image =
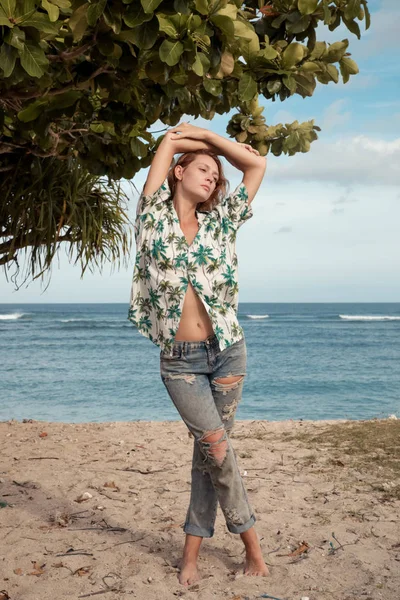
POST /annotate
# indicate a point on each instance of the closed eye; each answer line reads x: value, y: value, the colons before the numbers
x: 215, y: 180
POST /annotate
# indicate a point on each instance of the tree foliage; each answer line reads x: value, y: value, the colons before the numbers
x: 86, y: 81
x: 50, y: 201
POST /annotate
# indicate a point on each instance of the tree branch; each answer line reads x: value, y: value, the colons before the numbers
x: 71, y: 86
x: 65, y: 56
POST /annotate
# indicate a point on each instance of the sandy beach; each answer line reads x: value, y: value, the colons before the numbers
x: 96, y: 510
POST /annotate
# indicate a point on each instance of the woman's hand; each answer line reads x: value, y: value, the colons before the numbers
x: 188, y: 131
x: 199, y: 133
x: 250, y: 148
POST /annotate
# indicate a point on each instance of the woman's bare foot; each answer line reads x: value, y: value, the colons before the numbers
x: 188, y: 573
x: 255, y: 566
x: 254, y: 563
x: 188, y: 570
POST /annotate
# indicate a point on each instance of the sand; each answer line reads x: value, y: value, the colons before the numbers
x: 326, y: 495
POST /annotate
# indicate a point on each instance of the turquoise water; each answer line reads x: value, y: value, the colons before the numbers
x: 86, y: 362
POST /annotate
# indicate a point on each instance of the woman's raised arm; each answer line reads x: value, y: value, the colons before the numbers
x: 250, y: 163
x: 161, y: 163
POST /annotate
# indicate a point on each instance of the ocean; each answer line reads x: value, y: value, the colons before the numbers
x: 79, y: 363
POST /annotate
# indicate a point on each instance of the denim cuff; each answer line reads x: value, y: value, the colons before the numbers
x: 199, y: 531
x: 242, y: 528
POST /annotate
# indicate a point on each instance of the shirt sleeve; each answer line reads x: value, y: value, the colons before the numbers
x: 149, y: 207
x: 236, y: 206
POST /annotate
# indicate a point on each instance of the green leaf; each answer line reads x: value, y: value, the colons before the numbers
x: 367, y: 14
x: 65, y: 100
x: 113, y: 17
x: 202, y: 6
x: 145, y: 36
x: 52, y: 10
x: 230, y: 10
x: 138, y: 147
x: 167, y: 26
x: 39, y: 21
x: 274, y: 86
x: 353, y: 27
x: 170, y: 52
x: 352, y: 9
x: 333, y: 72
x: 197, y: 66
x: 31, y: 112
x: 97, y: 127
x: 15, y: 37
x: 318, y: 51
x: 290, y: 83
x: 25, y: 9
x: 293, y: 54
x: 78, y: 22
x: 305, y: 84
x: 5, y: 21
x: 347, y: 67
x: 33, y: 60
x: 8, y: 57
x: 135, y: 16
x: 213, y: 86
x: 298, y: 25
x: 247, y: 87
x: 95, y: 11
x: 62, y: 3
x: 225, y: 24
x: 307, y: 7
x: 335, y: 51
x: 8, y: 7
x: 149, y: 6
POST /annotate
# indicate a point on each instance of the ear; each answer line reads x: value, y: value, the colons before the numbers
x: 178, y: 172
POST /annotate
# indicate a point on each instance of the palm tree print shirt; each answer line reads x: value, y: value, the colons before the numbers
x: 165, y: 264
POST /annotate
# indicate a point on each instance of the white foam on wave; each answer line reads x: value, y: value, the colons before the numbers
x: 369, y: 318
x: 257, y: 316
x: 72, y: 320
x: 12, y: 316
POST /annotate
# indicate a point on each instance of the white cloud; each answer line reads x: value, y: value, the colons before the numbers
x: 348, y: 160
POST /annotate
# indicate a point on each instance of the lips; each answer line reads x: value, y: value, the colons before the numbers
x: 206, y: 187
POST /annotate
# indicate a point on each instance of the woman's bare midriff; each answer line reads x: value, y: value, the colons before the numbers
x: 195, y: 324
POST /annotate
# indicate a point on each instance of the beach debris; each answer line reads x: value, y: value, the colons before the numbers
x: 82, y: 571
x: 83, y: 497
x: 111, y: 484
x: 271, y: 597
x: 4, y: 595
x: 62, y: 519
x: 303, y: 548
x: 27, y: 484
x: 115, y: 587
x: 149, y: 579
x: 3, y: 505
x: 72, y: 552
x: 43, y: 434
x: 305, y: 598
x: 37, y: 569
x: 392, y: 417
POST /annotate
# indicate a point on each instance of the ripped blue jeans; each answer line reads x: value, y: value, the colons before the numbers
x: 208, y: 408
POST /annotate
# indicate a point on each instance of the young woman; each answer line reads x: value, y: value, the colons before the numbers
x: 184, y: 298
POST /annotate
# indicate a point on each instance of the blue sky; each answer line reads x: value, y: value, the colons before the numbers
x: 326, y: 223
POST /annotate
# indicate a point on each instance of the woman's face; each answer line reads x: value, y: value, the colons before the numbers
x: 199, y: 178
